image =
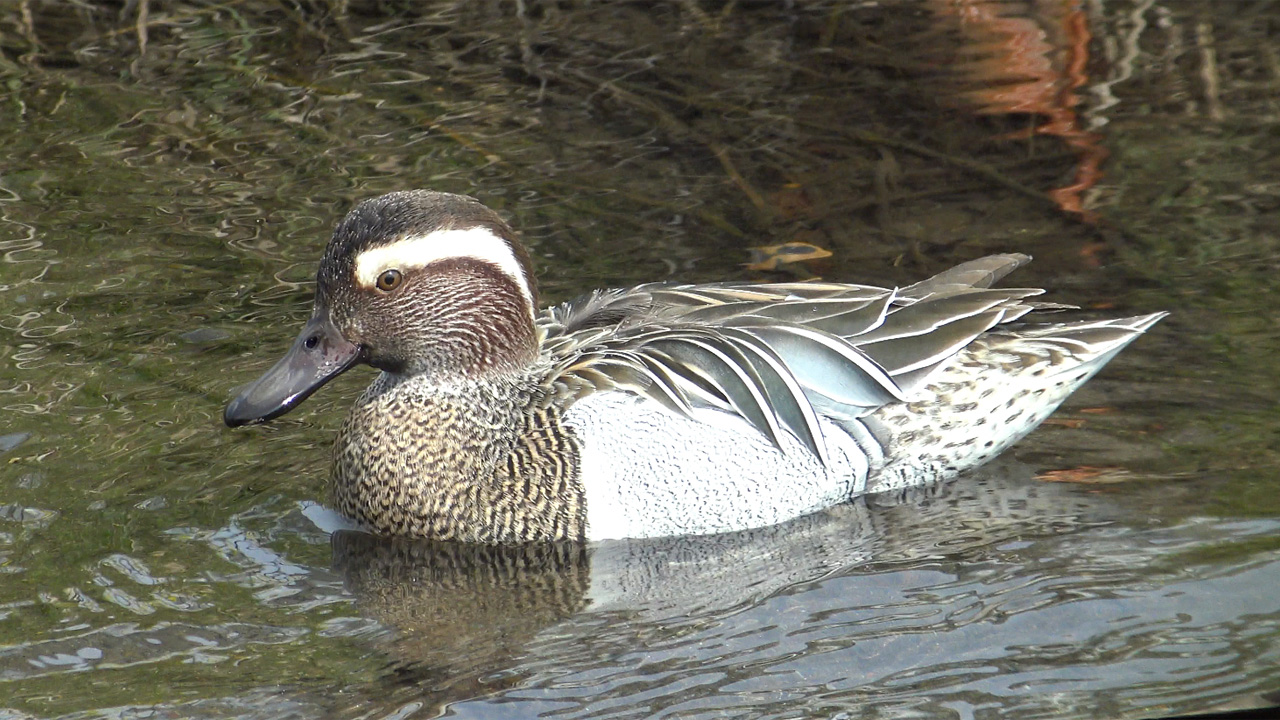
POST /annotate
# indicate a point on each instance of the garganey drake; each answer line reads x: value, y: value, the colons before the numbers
x: 655, y: 410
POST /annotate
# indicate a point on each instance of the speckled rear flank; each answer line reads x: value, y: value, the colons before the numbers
x: 963, y: 421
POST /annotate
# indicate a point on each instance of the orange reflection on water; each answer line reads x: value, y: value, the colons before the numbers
x: 1030, y: 57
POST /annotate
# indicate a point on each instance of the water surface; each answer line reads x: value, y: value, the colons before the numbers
x: 169, y: 175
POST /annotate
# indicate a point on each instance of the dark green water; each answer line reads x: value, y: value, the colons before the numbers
x: 169, y: 174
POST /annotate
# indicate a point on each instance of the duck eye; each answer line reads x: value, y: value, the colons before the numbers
x: 390, y: 280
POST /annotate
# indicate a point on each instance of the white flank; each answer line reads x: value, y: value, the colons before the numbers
x: 647, y: 472
x: 419, y: 251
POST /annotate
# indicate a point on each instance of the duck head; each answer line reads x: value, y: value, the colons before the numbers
x: 412, y: 283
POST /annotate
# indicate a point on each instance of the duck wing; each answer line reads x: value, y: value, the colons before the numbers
x: 777, y: 355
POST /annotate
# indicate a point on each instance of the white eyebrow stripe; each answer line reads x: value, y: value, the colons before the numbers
x: 418, y: 251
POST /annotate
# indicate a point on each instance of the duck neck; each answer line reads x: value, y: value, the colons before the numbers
x: 472, y: 461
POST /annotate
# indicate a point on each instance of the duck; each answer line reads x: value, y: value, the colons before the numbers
x: 657, y: 410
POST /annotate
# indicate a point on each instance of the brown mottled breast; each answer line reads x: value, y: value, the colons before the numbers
x: 485, y: 462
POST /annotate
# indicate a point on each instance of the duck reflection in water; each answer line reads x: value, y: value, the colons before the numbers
x: 459, y: 612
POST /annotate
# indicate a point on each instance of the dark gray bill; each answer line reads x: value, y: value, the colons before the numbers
x: 319, y: 355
